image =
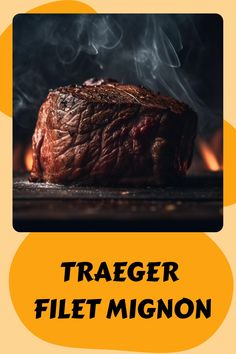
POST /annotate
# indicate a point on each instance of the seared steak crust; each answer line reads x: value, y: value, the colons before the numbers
x: 105, y: 132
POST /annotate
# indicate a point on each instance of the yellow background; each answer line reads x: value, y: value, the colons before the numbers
x: 15, y: 338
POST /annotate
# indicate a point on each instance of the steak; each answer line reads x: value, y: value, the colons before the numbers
x: 104, y: 132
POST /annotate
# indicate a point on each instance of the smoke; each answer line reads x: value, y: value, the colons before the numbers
x: 178, y: 55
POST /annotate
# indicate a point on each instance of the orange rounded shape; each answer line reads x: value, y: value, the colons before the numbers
x: 203, y: 273
x: 63, y: 7
x: 229, y: 164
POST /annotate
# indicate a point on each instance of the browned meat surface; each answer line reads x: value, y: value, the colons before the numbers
x: 105, y: 132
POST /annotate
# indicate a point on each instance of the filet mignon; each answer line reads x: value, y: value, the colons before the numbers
x: 105, y: 132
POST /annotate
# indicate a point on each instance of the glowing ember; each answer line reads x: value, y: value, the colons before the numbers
x: 209, y: 156
x: 28, y: 158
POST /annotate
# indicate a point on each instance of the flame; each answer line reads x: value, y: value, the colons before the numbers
x: 209, y: 157
x: 28, y: 159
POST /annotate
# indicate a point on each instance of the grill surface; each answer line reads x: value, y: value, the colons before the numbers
x: 195, y: 205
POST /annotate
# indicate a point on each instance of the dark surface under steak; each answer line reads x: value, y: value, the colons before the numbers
x: 105, y: 132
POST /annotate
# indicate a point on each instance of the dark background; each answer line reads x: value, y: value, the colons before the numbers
x: 179, y: 55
